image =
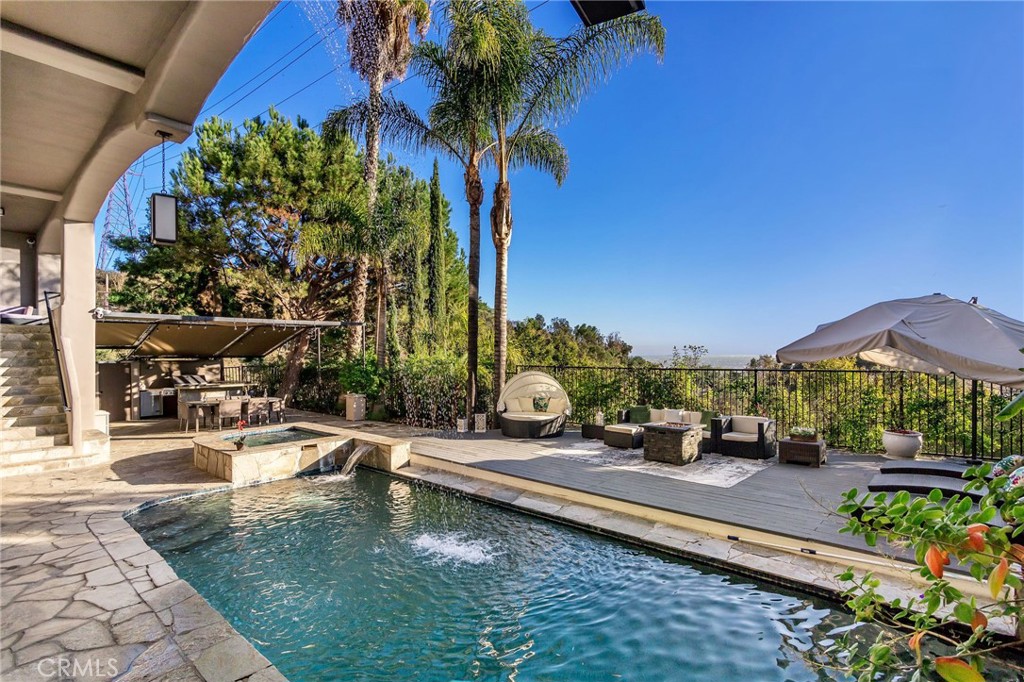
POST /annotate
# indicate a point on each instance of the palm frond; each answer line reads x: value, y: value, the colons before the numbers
x: 333, y: 226
x: 566, y: 72
x: 540, y: 148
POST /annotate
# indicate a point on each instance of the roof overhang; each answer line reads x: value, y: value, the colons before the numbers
x: 196, y: 337
x: 88, y: 85
x: 599, y: 11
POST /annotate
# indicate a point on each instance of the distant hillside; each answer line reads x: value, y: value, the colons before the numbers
x: 718, y: 361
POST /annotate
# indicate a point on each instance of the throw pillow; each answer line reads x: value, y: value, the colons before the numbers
x: 639, y: 414
x: 512, y: 405
x: 540, y: 403
x: 674, y: 416
x: 658, y: 415
x: 558, y: 405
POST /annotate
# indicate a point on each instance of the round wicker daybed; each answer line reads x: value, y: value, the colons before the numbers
x: 533, y: 405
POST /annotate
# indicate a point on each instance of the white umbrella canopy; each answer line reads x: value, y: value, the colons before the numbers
x: 934, y: 334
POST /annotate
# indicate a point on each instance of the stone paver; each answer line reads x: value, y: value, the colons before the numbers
x: 79, y: 586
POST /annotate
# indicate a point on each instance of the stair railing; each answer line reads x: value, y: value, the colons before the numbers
x: 55, y: 339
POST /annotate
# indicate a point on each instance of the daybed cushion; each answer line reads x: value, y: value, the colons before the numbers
x: 558, y: 405
x: 529, y: 416
x: 740, y: 437
x: 747, y: 424
x: 624, y: 428
x: 657, y: 415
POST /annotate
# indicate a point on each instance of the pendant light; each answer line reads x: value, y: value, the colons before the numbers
x: 163, y: 207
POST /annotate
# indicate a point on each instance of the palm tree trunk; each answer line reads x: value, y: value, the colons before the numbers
x: 357, y: 312
x: 501, y: 234
x: 370, y: 175
x: 475, y: 197
x: 382, y: 314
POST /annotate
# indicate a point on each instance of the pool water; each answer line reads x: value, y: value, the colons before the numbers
x: 285, y: 435
x: 371, y: 578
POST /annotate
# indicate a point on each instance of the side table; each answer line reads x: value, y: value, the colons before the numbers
x: 802, y: 452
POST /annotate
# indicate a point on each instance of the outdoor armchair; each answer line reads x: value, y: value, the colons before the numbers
x: 744, y: 436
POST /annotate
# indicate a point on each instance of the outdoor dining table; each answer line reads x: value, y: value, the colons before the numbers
x: 214, y: 407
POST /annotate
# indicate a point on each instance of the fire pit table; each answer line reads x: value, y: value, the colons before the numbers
x: 671, y: 442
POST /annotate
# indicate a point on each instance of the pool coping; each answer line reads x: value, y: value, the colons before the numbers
x: 82, y: 582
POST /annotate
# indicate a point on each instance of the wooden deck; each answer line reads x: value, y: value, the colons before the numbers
x: 784, y: 499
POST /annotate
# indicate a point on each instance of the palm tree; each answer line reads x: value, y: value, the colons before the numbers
x: 542, y: 80
x: 456, y: 126
x: 380, y: 47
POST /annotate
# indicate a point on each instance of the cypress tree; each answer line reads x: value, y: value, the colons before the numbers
x: 436, y: 267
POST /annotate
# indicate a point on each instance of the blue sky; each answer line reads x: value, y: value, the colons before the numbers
x: 786, y: 165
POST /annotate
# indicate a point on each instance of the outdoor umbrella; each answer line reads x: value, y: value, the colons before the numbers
x: 934, y: 334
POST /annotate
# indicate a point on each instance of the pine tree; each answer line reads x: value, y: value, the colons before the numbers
x: 436, y: 268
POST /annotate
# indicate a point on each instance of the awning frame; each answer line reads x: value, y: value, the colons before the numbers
x: 247, y: 326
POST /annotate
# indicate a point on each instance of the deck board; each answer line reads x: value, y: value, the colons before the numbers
x: 785, y: 499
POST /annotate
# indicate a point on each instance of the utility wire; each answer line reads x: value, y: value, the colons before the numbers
x: 146, y: 163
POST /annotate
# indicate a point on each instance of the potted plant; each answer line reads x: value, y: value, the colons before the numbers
x: 239, y: 440
x: 902, y: 443
x: 804, y: 434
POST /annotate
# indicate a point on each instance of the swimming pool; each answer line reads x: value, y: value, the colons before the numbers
x: 371, y: 578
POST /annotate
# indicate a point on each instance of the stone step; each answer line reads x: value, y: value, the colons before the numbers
x: 29, y: 389
x: 12, y: 331
x: 34, y: 420
x: 31, y: 411
x: 19, y: 445
x: 27, y: 370
x: 40, y: 360
x: 24, y: 400
x: 53, y: 462
x: 35, y: 341
x: 12, y: 381
x: 34, y: 431
x: 40, y: 454
x: 34, y: 350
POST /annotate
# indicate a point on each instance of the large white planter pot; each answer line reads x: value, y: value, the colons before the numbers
x: 902, y: 445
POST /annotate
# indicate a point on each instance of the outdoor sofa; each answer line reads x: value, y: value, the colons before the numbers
x: 744, y: 436
x: 533, y: 405
x: 628, y: 433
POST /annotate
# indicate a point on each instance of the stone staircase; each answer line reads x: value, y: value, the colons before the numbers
x: 35, y: 435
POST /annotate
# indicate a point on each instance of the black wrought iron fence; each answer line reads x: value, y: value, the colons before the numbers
x: 851, y: 408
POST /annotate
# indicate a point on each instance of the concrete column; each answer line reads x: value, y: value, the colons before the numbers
x: 78, y: 328
x: 48, y: 268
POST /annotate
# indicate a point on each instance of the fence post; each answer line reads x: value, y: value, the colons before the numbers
x: 902, y: 415
x: 974, y: 418
x: 756, y: 401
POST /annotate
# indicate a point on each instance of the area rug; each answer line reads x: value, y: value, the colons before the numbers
x: 712, y: 469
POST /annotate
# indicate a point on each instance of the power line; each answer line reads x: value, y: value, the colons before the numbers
x: 146, y: 162
x: 257, y: 74
x: 274, y: 75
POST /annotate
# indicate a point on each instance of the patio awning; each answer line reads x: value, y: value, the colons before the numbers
x: 934, y: 334
x: 180, y: 336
